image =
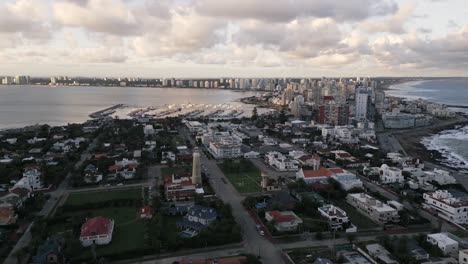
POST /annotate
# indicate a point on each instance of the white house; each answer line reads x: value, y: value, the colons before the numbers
x: 390, y: 174
x: 373, y: 208
x: 31, y: 179
x: 285, y: 221
x: 442, y: 177
x: 444, y: 243
x: 336, y: 216
x: 97, y: 230
x: 446, y: 206
x: 280, y: 162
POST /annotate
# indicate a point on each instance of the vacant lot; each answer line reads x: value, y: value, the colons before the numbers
x: 243, y: 175
x: 103, y: 196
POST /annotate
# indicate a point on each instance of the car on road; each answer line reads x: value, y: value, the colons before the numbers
x: 120, y: 184
x: 261, y: 232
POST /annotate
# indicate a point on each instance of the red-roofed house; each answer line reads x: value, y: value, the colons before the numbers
x: 285, y: 221
x: 145, y: 212
x: 314, y: 175
x: 97, y: 230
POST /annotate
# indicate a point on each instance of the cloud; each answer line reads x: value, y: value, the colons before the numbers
x: 452, y: 24
x: 106, y: 16
x: 24, y: 18
x: 448, y: 52
x: 186, y: 32
x: 394, y: 24
x: 287, y: 10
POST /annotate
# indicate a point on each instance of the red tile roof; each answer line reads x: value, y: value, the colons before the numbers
x: 146, y: 210
x: 115, y: 168
x: 96, y: 226
x: 280, y: 218
x: 336, y: 170
x: 343, y: 155
x: 321, y: 172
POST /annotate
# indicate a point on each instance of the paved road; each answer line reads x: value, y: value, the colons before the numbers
x: 254, y: 243
x: 49, y: 206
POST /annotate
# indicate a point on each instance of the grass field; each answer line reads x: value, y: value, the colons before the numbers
x: 102, y: 196
x: 245, y: 178
x: 358, y: 219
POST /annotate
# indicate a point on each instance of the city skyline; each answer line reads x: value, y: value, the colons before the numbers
x: 206, y: 39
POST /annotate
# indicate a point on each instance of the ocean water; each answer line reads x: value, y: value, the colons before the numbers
x: 28, y: 105
x: 452, y: 144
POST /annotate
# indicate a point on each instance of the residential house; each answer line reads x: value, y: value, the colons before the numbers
x: 251, y: 155
x: 447, y: 245
x: 145, y: 212
x: 32, y: 179
x: 373, y: 208
x: 284, y: 221
x: 198, y: 218
x: 280, y: 162
x: 51, y: 251
x: 337, y: 217
x: 390, y: 174
x: 378, y: 252
x: 96, y: 230
x: 91, y: 174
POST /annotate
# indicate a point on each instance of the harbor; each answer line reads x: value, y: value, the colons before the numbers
x: 210, y: 111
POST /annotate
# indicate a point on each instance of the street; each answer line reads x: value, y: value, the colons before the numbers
x: 254, y: 243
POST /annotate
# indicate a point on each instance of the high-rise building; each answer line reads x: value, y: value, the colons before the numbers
x: 333, y: 113
x: 196, y: 168
x: 362, y: 101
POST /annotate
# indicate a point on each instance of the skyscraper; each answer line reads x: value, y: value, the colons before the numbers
x: 196, y: 168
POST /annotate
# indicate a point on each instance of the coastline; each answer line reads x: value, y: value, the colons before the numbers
x: 412, y: 141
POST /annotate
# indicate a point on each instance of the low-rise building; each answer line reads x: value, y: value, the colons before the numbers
x: 284, y: 221
x: 7, y: 216
x: 447, y: 245
x: 197, y: 218
x: 390, y: 174
x: 97, y: 230
x: 32, y: 179
x: 446, y: 206
x: 336, y: 216
x: 373, y: 208
x: 378, y: 252
x: 179, y: 187
x: 280, y: 162
x: 226, y: 147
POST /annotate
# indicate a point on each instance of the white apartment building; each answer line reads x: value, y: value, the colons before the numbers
x: 225, y: 147
x: 373, y: 208
x: 444, y: 243
x: 280, y: 162
x: 390, y: 174
x: 446, y: 206
x: 362, y: 98
x: 335, y: 215
x: 442, y: 177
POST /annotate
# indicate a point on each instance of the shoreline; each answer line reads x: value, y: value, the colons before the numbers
x: 411, y: 142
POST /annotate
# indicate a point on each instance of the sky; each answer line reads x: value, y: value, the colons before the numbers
x: 233, y: 38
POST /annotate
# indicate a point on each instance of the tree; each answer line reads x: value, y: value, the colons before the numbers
x: 351, y: 237
x: 254, y: 114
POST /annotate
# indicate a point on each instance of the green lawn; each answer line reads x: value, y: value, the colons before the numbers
x: 102, y: 196
x: 245, y: 177
x: 358, y: 219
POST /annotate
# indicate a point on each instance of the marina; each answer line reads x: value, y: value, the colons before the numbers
x: 211, y: 111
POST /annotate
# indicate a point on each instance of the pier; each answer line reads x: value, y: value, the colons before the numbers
x: 106, y: 111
